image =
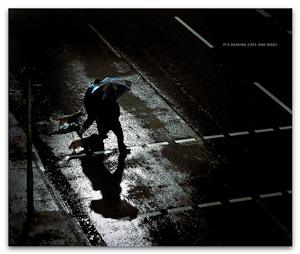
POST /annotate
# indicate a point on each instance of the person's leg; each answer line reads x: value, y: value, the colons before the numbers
x: 117, y: 130
x: 102, y: 129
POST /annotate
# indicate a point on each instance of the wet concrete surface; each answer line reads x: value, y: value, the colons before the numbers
x: 171, y: 172
x: 154, y: 178
x: 51, y: 223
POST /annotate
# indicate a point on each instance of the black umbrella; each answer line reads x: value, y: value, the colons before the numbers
x: 113, y: 88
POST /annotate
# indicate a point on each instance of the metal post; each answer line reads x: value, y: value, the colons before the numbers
x: 29, y: 153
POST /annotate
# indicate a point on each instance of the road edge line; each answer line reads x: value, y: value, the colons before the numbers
x: 105, y: 41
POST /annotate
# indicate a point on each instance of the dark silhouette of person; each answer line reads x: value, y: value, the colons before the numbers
x: 106, y: 112
x: 111, y: 206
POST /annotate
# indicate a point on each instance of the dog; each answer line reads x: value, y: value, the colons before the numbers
x: 89, y: 144
x: 78, y: 143
x: 66, y: 119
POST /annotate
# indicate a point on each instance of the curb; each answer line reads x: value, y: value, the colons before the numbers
x: 82, y: 238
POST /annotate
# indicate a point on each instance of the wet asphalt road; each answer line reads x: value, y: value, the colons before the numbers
x: 183, y: 193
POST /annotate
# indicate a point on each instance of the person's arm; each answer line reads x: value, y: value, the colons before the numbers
x: 88, y: 122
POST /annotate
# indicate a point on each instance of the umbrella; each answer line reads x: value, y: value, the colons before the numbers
x: 113, y: 88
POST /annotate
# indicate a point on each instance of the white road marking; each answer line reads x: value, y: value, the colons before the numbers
x: 273, y: 97
x: 246, y: 132
x: 194, y: 32
x: 103, y: 152
x: 124, y: 218
x: 239, y: 133
x: 179, y: 209
x: 285, y: 128
x: 158, y: 144
x: 134, y: 147
x: 214, y: 136
x: 150, y: 214
x: 278, y: 23
x: 273, y: 217
x: 180, y: 119
x: 235, y: 200
x: 264, y: 13
x: 75, y: 155
x: 210, y: 204
x: 105, y: 41
x: 263, y: 130
x: 79, y: 155
x: 271, y: 195
x: 185, y: 140
x: 267, y: 15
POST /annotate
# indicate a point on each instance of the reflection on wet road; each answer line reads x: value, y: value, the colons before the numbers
x: 151, y: 179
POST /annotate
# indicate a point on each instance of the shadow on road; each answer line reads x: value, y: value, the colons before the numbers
x: 111, y: 206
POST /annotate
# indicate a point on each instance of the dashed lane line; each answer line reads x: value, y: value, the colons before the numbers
x: 103, y: 152
x: 210, y: 204
x: 179, y: 141
x: 264, y: 13
x: 271, y: 195
x: 193, y: 31
x: 185, y: 140
x: 267, y: 15
x: 214, y: 136
x: 158, y: 144
x: 156, y: 213
x: 264, y: 130
x: 239, y: 199
x: 246, y: 132
x: 239, y: 133
x: 217, y: 203
x: 80, y: 155
x: 273, y: 97
x: 179, y: 209
x: 285, y: 128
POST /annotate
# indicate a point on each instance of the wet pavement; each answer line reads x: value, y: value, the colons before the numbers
x: 52, y: 223
x: 171, y: 190
x: 174, y: 188
x: 164, y: 154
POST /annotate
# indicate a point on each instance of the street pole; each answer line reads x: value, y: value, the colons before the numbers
x: 29, y: 152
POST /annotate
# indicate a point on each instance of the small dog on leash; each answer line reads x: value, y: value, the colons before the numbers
x: 66, y: 119
x: 89, y: 144
x: 78, y: 143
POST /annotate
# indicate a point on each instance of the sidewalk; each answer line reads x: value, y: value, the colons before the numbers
x: 52, y: 224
